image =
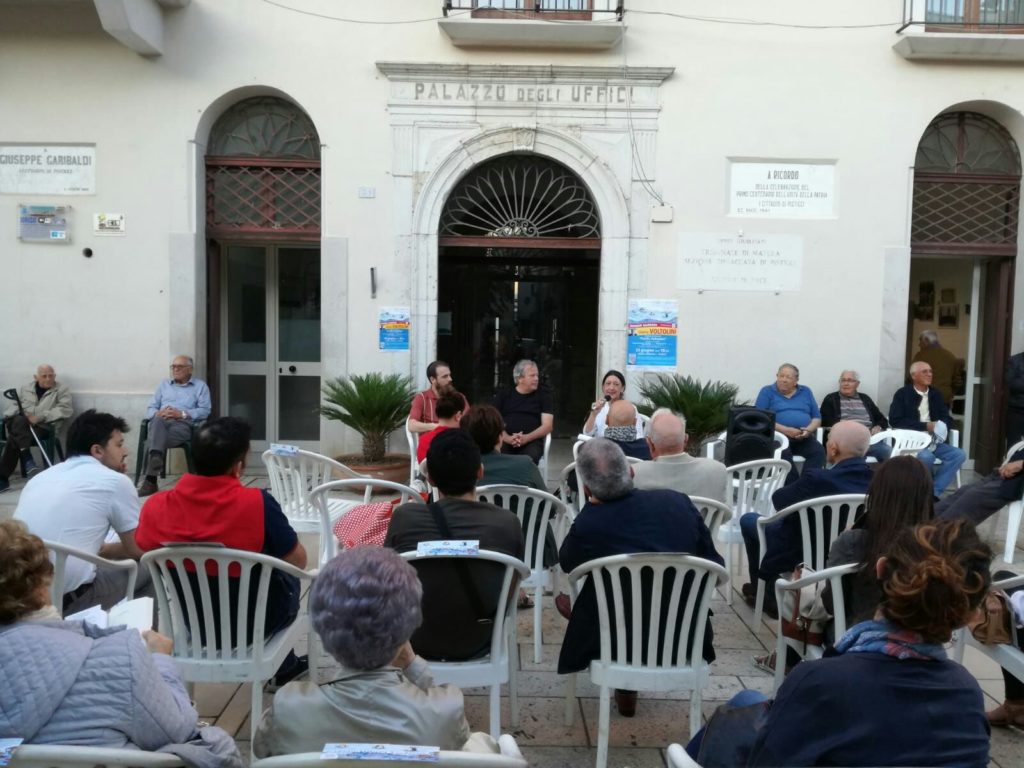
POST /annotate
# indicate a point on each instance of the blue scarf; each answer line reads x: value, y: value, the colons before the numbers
x: 885, y: 637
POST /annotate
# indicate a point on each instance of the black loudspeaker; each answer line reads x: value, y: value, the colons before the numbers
x: 750, y: 435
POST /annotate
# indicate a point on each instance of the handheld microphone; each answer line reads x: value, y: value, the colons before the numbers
x: 607, y: 398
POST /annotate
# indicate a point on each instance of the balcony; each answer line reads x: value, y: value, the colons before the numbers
x: 962, y: 30
x: 578, y: 24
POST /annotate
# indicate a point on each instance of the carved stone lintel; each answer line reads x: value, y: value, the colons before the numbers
x: 523, y: 139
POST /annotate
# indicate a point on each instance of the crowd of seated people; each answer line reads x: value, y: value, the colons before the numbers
x: 383, y: 620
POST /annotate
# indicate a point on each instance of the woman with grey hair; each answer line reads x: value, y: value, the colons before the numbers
x: 365, y: 605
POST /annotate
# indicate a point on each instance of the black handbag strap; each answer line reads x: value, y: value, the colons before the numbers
x: 461, y: 567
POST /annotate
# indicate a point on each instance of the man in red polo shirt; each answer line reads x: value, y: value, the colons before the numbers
x: 213, y: 506
x: 423, y: 416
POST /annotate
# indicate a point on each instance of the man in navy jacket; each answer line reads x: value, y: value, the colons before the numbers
x: 847, y: 444
x: 920, y: 407
x: 618, y: 520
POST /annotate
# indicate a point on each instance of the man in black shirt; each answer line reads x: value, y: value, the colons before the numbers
x: 528, y: 412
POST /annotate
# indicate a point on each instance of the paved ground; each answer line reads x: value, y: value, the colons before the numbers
x: 661, y: 718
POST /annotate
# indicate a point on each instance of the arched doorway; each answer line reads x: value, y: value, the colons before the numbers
x: 519, y: 252
x: 263, y: 208
x: 967, y: 175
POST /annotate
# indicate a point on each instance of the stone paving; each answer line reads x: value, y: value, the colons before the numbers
x: 662, y: 718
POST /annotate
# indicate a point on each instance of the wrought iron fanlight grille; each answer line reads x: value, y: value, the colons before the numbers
x: 520, y: 197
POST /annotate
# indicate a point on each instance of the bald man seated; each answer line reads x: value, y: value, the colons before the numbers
x: 849, y: 473
x: 620, y: 428
x: 672, y: 467
x: 45, y: 403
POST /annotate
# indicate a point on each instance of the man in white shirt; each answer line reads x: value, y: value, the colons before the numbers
x: 80, y: 501
x: 672, y: 467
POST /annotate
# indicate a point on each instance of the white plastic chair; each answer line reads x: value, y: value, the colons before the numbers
x: 64, y: 756
x: 750, y: 486
x: 903, y: 441
x: 1014, y: 512
x: 227, y: 659
x: 543, y: 464
x: 713, y: 511
x: 510, y: 757
x: 676, y: 756
x: 575, y: 491
x: 501, y: 664
x: 321, y: 501
x: 834, y: 577
x: 1009, y: 656
x: 840, y: 510
x: 668, y: 660
x: 645, y: 425
x: 292, y: 479
x: 413, y: 441
x: 61, y: 554
x: 544, y: 510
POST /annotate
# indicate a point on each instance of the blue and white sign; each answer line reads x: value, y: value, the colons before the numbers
x: 653, y: 335
x: 393, y: 329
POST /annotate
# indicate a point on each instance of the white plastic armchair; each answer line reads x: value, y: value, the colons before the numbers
x: 537, y: 512
x: 1014, y: 512
x: 61, y: 554
x: 501, y: 664
x: 821, y: 522
x: 664, y: 597
x: 903, y: 441
x: 749, y: 487
x: 320, y: 499
x: 509, y: 757
x: 1009, y: 656
x: 543, y: 464
x: 834, y: 577
x: 212, y: 640
x: 676, y: 756
x: 65, y: 756
x: 413, y: 441
x: 714, y: 512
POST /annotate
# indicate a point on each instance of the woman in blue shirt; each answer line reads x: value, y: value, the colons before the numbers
x: 796, y: 416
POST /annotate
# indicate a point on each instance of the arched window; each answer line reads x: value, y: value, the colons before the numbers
x: 263, y: 172
x: 966, y: 187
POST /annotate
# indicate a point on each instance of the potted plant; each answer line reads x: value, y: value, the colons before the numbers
x: 374, y: 405
x: 704, y: 404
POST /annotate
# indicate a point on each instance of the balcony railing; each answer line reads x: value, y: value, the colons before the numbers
x: 991, y: 16
x: 551, y: 10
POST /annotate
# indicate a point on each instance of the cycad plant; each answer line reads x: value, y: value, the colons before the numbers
x: 704, y: 404
x: 373, y: 404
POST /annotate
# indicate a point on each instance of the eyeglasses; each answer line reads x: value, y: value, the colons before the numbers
x: 179, y: 367
x: 849, y: 381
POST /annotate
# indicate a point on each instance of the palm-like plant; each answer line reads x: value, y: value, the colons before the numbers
x: 704, y: 404
x: 373, y: 404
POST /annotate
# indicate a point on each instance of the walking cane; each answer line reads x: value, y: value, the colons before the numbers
x: 12, y: 394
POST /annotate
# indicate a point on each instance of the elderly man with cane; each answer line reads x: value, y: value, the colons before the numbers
x: 34, y: 411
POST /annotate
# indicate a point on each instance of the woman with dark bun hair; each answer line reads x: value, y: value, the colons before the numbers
x: 613, y: 387
x: 888, y: 695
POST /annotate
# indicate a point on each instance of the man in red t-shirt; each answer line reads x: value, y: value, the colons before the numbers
x: 423, y: 416
x: 450, y: 407
x: 213, y: 506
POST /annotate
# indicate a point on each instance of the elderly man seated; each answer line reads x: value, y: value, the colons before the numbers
x: 796, y: 416
x: 672, y: 467
x: 920, y: 406
x: 46, y: 403
x: 364, y: 606
x: 849, y: 473
x: 979, y: 501
x: 620, y: 428
x: 619, y: 520
x: 847, y: 404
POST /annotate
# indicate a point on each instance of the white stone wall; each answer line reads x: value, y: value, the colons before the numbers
x: 110, y: 323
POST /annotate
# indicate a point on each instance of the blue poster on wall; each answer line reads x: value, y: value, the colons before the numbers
x: 653, y: 333
x: 393, y: 329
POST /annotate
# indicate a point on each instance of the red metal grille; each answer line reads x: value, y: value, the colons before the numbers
x: 247, y: 198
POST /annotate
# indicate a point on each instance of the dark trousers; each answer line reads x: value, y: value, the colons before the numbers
x: 1014, y: 687
x: 19, y: 438
x: 533, y: 449
x: 976, y: 501
x: 784, y: 551
x: 813, y: 454
x: 1014, y: 425
x: 164, y: 434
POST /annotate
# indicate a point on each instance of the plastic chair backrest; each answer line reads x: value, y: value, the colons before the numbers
x: 677, y: 757
x: 445, y: 758
x: 319, y: 501
x: 65, y: 756
x: 61, y: 553
x: 903, y: 441
x: 576, y: 491
x: 1013, y: 449
x: 654, y: 583
x: 535, y: 510
x: 753, y: 483
x: 412, y: 439
x: 821, y: 522
x: 193, y: 585
x: 645, y: 425
x: 293, y: 476
x: 714, y: 512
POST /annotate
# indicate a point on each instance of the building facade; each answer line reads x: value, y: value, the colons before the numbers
x: 263, y: 185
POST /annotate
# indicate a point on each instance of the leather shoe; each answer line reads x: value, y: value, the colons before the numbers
x: 1006, y: 714
x: 148, y: 488
x: 625, y: 701
x: 563, y: 604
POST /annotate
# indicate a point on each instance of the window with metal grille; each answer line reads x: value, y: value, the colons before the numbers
x: 263, y: 172
x: 966, y: 187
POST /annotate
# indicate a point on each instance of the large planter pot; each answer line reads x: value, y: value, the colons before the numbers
x: 395, y: 467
